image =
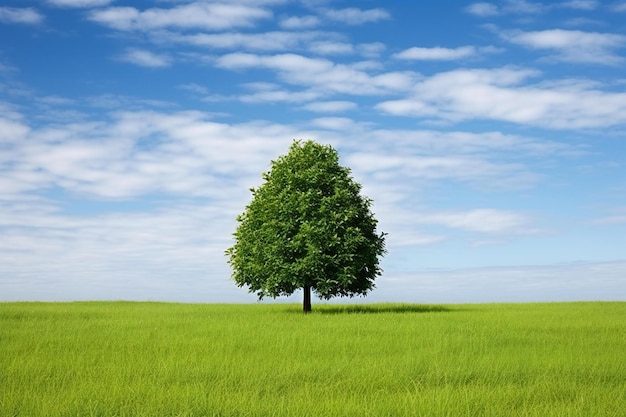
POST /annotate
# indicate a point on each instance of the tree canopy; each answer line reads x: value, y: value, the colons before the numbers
x: 307, y: 227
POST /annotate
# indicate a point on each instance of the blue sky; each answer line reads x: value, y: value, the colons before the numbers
x: 490, y: 136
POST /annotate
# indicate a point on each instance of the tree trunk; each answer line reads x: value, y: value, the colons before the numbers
x: 306, y: 302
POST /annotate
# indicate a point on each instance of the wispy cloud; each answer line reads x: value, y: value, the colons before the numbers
x: 479, y: 220
x: 572, y: 45
x: 273, y: 93
x: 209, y: 16
x: 29, y: 15
x: 265, y: 41
x: 12, y: 130
x: 330, y: 106
x: 331, y: 48
x: 114, y: 160
x: 503, y: 94
x: 321, y: 73
x: 194, y: 88
x: 581, y: 4
x: 354, y: 16
x: 300, y: 22
x: 80, y: 3
x: 372, y: 49
x: 145, y: 58
x: 436, y: 53
x: 485, y: 9
x: 523, y: 6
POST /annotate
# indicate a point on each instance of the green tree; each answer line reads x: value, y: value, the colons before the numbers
x: 307, y: 227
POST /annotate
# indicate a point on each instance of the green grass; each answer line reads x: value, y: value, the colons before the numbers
x: 157, y: 359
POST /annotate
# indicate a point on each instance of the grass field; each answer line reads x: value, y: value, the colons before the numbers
x: 159, y: 359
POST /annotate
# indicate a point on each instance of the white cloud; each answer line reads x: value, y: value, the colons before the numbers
x: 621, y: 7
x: 572, y: 45
x: 431, y: 143
x: 12, y: 130
x: 371, y: 50
x: 436, y: 54
x: 479, y: 220
x: 194, y: 88
x: 267, y: 41
x: 80, y: 3
x: 330, y: 106
x: 523, y: 6
x: 500, y: 94
x: 482, y: 9
x: 334, y: 123
x: 20, y: 15
x: 209, y: 16
x: 581, y: 4
x: 121, y: 18
x: 321, y: 73
x: 300, y: 22
x: 113, y: 159
x: 145, y: 58
x: 354, y: 16
x: 278, y: 95
x: 398, y: 166
x: 452, y: 167
x: 331, y: 48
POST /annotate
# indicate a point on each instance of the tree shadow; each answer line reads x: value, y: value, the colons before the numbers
x: 378, y: 308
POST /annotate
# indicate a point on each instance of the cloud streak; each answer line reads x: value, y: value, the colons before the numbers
x: 505, y: 95
x: 209, y: 16
x: 80, y: 3
x: 572, y: 45
x: 20, y: 15
x: 266, y: 41
x: 354, y: 16
x: 145, y: 58
x: 322, y: 74
x: 486, y: 9
x: 436, y: 54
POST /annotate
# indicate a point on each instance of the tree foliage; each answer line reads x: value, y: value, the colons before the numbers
x: 307, y: 227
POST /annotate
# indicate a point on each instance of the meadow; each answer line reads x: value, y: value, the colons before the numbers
x: 163, y: 359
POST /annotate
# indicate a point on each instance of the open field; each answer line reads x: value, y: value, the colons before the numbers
x: 159, y: 359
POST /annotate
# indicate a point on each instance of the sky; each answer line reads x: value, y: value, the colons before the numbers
x: 491, y: 137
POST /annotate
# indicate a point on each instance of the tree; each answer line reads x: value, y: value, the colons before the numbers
x: 307, y: 227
